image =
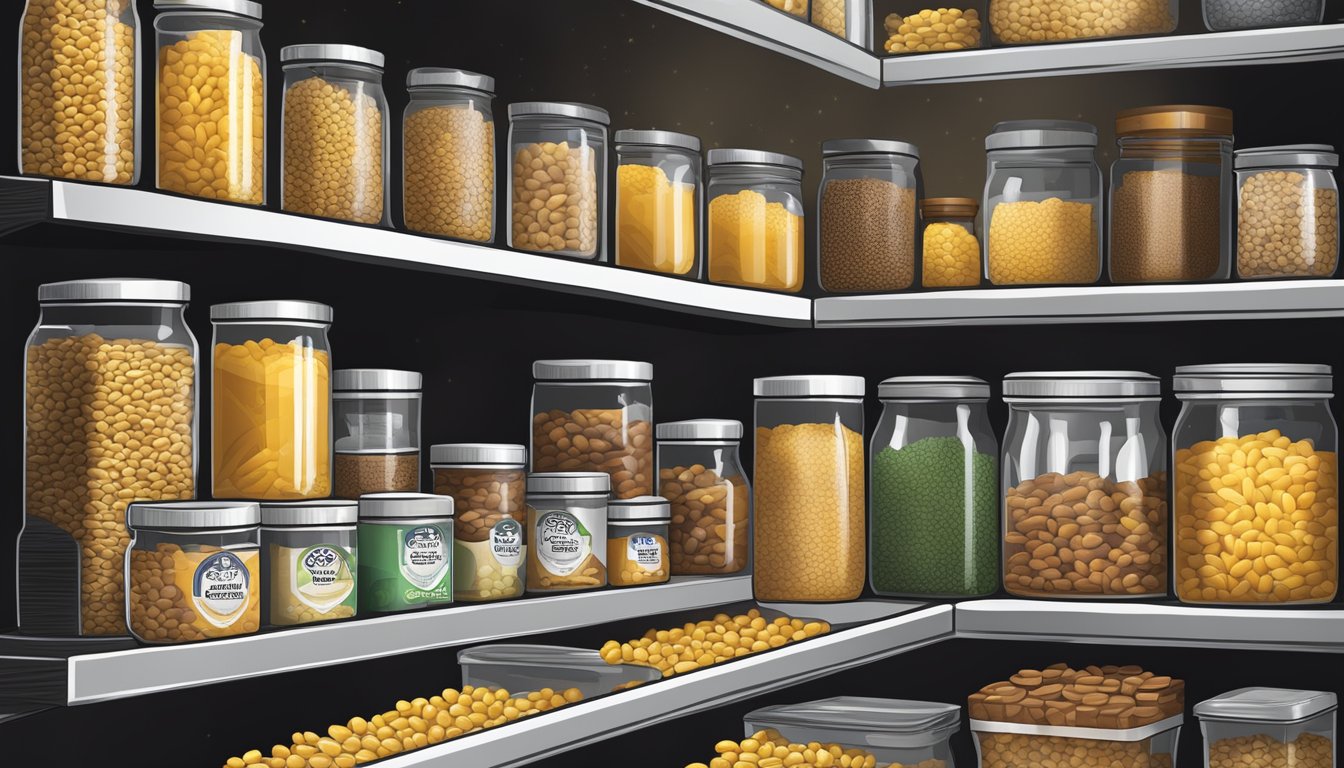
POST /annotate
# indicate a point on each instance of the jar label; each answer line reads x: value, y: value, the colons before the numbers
x: 424, y: 556
x: 322, y: 577
x: 562, y: 542
x: 506, y: 542
x: 219, y: 588
x: 643, y: 550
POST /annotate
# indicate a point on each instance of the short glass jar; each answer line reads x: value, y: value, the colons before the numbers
x: 1287, y: 211
x: 270, y: 409
x: 1226, y: 15
x: 1085, y: 485
x: 637, y: 531
x: 918, y: 28
x: 377, y: 431
x: 868, y: 204
x: 755, y: 219
x: 1268, y: 727
x: 1171, y: 195
x: 1016, y: 22
x: 204, y: 559
x: 488, y: 483
x: 448, y: 154
x: 405, y: 551
x: 700, y: 474
x: 658, y: 194
x: 567, y: 528
x: 558, y: 178
x: 308, y: 561
x: 889, y: 731
x: 951, y: 255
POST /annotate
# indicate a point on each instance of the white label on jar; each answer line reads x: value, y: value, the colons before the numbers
x: 643, y: 550
x: 562, y: 542
x: 322, y: 576
x: 219, y: 588
x: 506, y: 542
x: 424, y: 556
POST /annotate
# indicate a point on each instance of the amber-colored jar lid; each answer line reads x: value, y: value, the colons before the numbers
x: 949, y: 207
x: 1174, y: 120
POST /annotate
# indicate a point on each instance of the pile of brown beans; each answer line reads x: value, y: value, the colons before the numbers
x: 1015, y: 750
x: 356, y: 474
x: 1093, y: 697
x: 709, y: 531
x: 555, y: 206
x: 1307, y: 750
x: 596, y: 440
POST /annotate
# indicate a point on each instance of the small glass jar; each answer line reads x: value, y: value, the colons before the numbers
x: 334, y: 151
x: 595, y: 416
x: 1287, y: 211
x: 1017, y: 22
x: 1085, y: 485
x: 377, y: 431
x: 1262, y: 727
x: 918, y: 28
x: 809, y: 517
x: 1171, y: 195
x: 700, y: 474
x: 558, y: 178
x: 951, y: 256
x: 448, y: 154
x: 210, y: 50
x: 270, y: 410
x: 203, y: 558
x: 488, y: 483
x: 848, y: 19
x: 868, y: 205
x: 1042, y: 206
x: 637, y: 532
x: 658, y: 202
x: 934, y: 513
x: 755, y: 219
x: 890, y: 731
x: 309, y: 560
x: 567, y: 525
x: 1226, y: 15
x: 1265, y: 435
x: 405, y: 551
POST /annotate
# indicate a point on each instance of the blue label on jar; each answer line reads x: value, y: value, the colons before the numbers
x: 219, y: 588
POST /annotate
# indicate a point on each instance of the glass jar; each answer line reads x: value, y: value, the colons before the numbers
x: 1225, y: 15
x: 1268, y: 432
x: 214, y: 147
x: 889, y: 731
x: 1017, y: 22
x: 658, y: 202
x: 595, y: 416
x: 1171, y: 195
x: 334, y: 151
x: 377, y: 431
x: 270, y: 411
x: 1085, y: 485
x: 64, y: 133
x: 849, y: 19
x: 700, y: 474
x: 1042, y: 204
x: 309, y: 559
x: 919, y: 28
x: 405, y: 551
x: 448, y: 154
x: 794, y: 7
x: 809, y: 517
x: 204, y: 559
x: 522, y: 669
x: 868, y: 205
x: 951, y: 257
x: 488, y: 483
x: 637, y: 532
x: 755, y: 219
x: 558, y: 183
x: 1268, y: 727
x: 934, y: 513
x: 1287, y: 211
x: 93, y: 339
x: 567, y: 525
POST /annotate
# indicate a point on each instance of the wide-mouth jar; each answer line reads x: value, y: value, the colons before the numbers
x: 405, y: 551
x: 637, y: 534
x: 309, y: 561
x: 488, y: 483
x: 558, y: 178
x: 868, y: 204
x: 1287, y: 211
x: 888, y: 731
x: 448, y: 154
x: 700, y: 473
x: 755, y: 219
x: 1268, y: 726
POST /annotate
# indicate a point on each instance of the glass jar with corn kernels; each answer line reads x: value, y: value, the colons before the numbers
x: 488, y: 483
x: 1287, y: 211
x: 637, y: 541
x: 951, y: 256
x: 448, y: 154
x: 700, y: 474
x: 658, y: 195
x: 868, y: 206
x: 558, y: 179
x: 1019, y: 22
x: 755, y: 219
x: 918, y: 27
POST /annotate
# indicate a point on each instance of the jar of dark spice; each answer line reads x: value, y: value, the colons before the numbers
x: 869, y: 213
x: 377, y: 431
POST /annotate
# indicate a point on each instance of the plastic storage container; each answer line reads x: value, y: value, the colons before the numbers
x: 377, y: 430
x: 335, y: 149
x: 53, y: 139
x: 522, y: 669
x: 1268, y: 727
x: 868, y: 204
x: 891, y: 731
x: 448, y: 154
x: 637, y: 541
x: 271, y: 400
x: 850, y: 19
x: 755, y: 219
x: 658, y: 194
x: 216, y: 147
x: 488, y: 483
x: 700, y: 474
x: 1171, y: 195
x: 309, y: 560
x: 951, y: 253
x: 1267, y: 433
x: 1090, y: 438
x: 1058, y: 21
x: 567, y: 527
x: 1016, y: 744
x: 809, y: 517
x: 1287, y: 212
x: 405, y: 551
x: 93, y: 339
x: 934, y: 509
x: 920, y: 27
x: 1224, y: 15
x: 1042, y: 206
x: 203, y: 558
x: 558, y: 181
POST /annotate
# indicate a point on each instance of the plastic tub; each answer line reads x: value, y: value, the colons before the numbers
x: 521, y: 669
x: 1010, y: 745
x: 894, y: 731
x: 1281, y: 727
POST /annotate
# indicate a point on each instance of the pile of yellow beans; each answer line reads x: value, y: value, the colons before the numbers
x: 769, y: 748
x: 1052, y: 241
x: 703, y: 644
x: 941, y: 29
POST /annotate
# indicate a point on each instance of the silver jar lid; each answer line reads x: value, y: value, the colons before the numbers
x: 700, y: 429
x: 1028, y: 134
x: 933, y: 388
x: 592, y: 370
x: 318, y: 512
x: 236, y: 7
x: 1235, y: 380
x: 399, y: 505
x: 808, y: 386
x: 278, y: 309
x: 640, y: 508
x: 339, y: 52
x: 658, y: 139
x: 1286, y: 155
x: 443, y: 77
x: 193, y: 514
x: 752, y: 157
x: 1267, y: 705
x: 1080, y: 385
x: 128, y: 289
x: 374, y: 380
x: 834, y: 147
x: 887, y: 722
x: 473, y: 454
x: 572, y: 109
x: 560, y: 483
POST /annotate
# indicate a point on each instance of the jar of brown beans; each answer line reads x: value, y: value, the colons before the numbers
x: 700, y: 474
x: 1287, y: 211
x: 558, y: 179
x: 448, y: 154
x: 488, y: 483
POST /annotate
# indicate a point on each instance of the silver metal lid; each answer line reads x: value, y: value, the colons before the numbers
x: 808, y: 386
x: 658, y: 139
x: 319, y: 512
x: 1238, y: 379
x: 834, y: 147
x: 352, y: 54
x: 700, y: 429
x: 860, y: 720
x: 560, y: 109
x: 933, y: 388
x: 598, y: 483
x: 642, y: 508
x: 478, y: 453
x: 1129, y: 735
x: 395, y: 505
x: 441, y: 77
x: 193, y: 514
x: 592, y: 370
x: 279, y: 309
x: 752, y: 157
x: 1026, y: 134
x: 375, y: 380
x: 1267, y: 705
x: 115, y: 289
x: 1322, y: 155
x: 1081, y: 384
x: 237, y: 7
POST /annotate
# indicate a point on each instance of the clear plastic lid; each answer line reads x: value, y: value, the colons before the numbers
x: 1267, y: 705
x: 863, y: 721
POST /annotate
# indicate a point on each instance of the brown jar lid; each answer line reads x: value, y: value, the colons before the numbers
x: 1174, y: 120
x: 949, y: 207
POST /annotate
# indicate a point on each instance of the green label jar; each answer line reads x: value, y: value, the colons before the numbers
x: 313, y: 583
x: 406, y: 551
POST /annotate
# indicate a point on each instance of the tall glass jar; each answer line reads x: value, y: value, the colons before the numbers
x: 1042, y: 206
x: 934, y: 513
x: 595, y: 416
x: 869, y: 209
x: 1257, y: 484
x: 809, y: 526
x: 558, y: 178
x: 110, y: 386
x: 1287, y: 211
x: 448, y: 154
x: 1016, y: 22
x: 755, y: 219
x: 567, y: 525
x: 78, y: 99
x: 211, y: 99
x: 951, y: 257
x: 270, y: 409
x: 1171, y: 195
x: 377, y: 431
x: 658, y: 202
x: 700, y: 474
x: 1085, y: 485
x: 334, y: 152
x: 488, y: 483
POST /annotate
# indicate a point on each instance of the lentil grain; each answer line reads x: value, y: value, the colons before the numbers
x: 867, y: 235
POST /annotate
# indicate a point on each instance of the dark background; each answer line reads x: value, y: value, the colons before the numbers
x: 475, y: 340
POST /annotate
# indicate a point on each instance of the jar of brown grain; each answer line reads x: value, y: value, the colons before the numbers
x: 869, y: 204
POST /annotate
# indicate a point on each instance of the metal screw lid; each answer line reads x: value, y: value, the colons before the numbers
x: 592, y: 370
x: 237, y: 7
x: 441, y: 77
x: 279, y: 309
x: 933, y: 388
x: 700, y: 429
x: 1174, y: 120
x: 375, y: 380
x: 114, y: 289
x: 318, y: 512
x: 1268, y: 705
x: 322, y: 52
x: 1027, y: 134
x: 1237, y: 379
x: 397, y: 505
x: 808, y: 386
x: 949, y: 207
x: 1322, y: 155
x: 752, y: 157
x: 560, y: 109
x: 658, y: 139
x: 569, y: 482
x: 643, y: 508
x: 478, y: 453
x: 193, y: 514
x: 1081, y: 384
x: 833, y: 147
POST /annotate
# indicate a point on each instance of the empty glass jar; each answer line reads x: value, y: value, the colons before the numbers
x: 1287, y: 211
x: 658, y: 202
x: 448, y: 154
x: 868, y: 204
x: 558, y: 179
x: 377, y: 431
x: 755, y: 219
x: 700, y: 474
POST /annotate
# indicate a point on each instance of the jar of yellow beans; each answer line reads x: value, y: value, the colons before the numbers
x: 951, y: 249
x: 755, y: 219
x: 448, y: 154
x: 658, y: 202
